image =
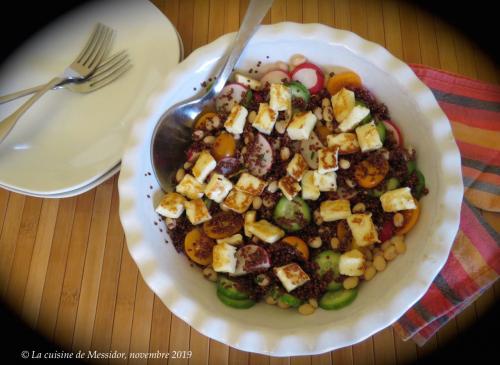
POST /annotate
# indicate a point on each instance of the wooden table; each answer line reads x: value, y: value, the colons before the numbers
x: 64, y: 265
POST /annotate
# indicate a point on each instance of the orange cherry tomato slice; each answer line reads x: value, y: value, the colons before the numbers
x: 224, y: 146
x: 202, y: 120
x: 410, y: 219
x: 298, y: 244
x: 369, y: 175
x: 223, y: 224
x: 342, y: 231
x: 322, y: 131
x: 338, y: 81
x: 198, y: 247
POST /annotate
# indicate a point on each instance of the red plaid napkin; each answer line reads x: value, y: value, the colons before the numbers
x: 473, y: 266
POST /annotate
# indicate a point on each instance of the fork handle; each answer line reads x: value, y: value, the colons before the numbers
x: 8, y: 123
x: 19, y: 94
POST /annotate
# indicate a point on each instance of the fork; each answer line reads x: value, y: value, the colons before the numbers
x: 108, y: 71
x: 83, y: 66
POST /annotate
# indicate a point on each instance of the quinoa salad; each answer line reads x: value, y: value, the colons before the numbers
x: 296, y: 189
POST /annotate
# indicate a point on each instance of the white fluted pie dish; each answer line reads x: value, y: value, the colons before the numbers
x: 263, y: 328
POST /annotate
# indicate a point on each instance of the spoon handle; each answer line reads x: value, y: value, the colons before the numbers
x: 256, y: 11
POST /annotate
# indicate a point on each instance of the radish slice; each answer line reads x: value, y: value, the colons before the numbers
x: 274, y: 77
x: 230, y: 96
x: 260, y: 156
x: 251, y: 258
x: 310, y: 75
x: 309, y: 150
x: 391, y: 127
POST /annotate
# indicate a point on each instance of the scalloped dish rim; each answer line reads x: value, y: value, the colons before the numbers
x: 327, y: 336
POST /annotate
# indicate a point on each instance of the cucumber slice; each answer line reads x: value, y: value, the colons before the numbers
x: 419, y: 189
x: 235, y: 303
x: 392, y: 183
x: 228, y: 288
x: 334, y: 286
x: 382, y: 131
x: 290, y: 299
x: 337, y: 299
x: 411, y: 166
x: 299, y: 91
x: 292, y: 215
x: 369, y: 117
x: 328, y: 260
x: 248, y: 98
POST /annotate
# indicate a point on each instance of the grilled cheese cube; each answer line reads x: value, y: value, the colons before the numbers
x: 297, y: 167
x: 235, y: 122
x: 368, y: 137
x: 204, y: 165
x: 265, y: 119
x: 309, y: 190
x: 235, y: 240
x: 355, y: 117
x: 250, y: 184
x: 250, y: 217
x: 197, y: 211
x: 347, y: 142
x: 171, y: 205
x: 266, y: 231
x: 325, y: 182
x: 247, y: 81
x: 224, y: 258
x: 343, y: 103
x: 398, y: 199
x: 289, y: 187
x: 301, y: 125
x: 190, y: 187
x: 291, y: 276
x: 280, y: 97
x: 328, y: 159
x: 362, y: 228
x: 334, y: 210
x: 238, y: 201
x: 218, y: 187
x: 352, y: 263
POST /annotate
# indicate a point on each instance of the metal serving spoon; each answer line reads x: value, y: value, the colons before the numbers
x: 172, y: 133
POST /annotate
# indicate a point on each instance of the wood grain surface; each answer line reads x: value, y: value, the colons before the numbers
x: 64, y: 265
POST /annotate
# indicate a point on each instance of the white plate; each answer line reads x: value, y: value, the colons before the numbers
x: 66, y: 141
x: 70, y: 193
x: 264, y: 328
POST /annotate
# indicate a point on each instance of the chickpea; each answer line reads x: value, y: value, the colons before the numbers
x: 344, y: 164
x: 180, y: 175
x: 251, y: 116
x: 306, y: 309
x: 270, y: 300
x: 390, y: 254
x: 273, y: 186
x: 209, y: 140
x: 398, y: 220
x: 285, y: 153
x: 379, y: 263
x: 399, y: 244
x: 313, y: 302
x: 351, y: 282
x: 318, y: 113
x: 257, y: 202
x: 370, y: 273
x: 359, y: 208
x: 315, y: 242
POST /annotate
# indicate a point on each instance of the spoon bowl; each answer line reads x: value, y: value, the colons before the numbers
x: 172, y: 133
